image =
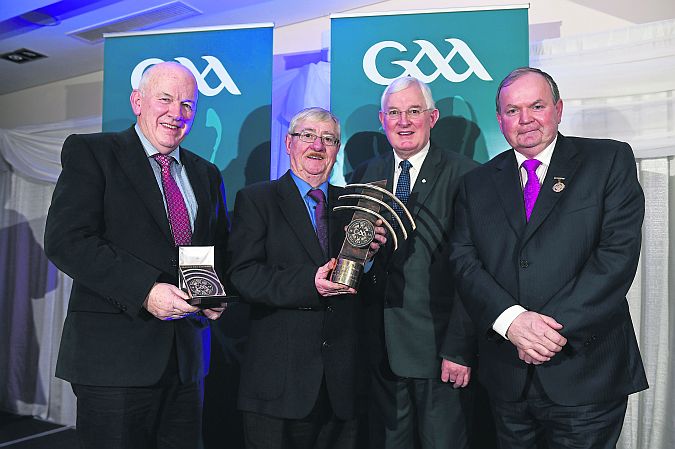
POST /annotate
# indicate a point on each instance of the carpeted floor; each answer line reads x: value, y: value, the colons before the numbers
x: 24, y: 432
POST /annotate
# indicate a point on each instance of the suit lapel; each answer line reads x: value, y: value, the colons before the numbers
x: 293, y: 208
x: 199, y: 180
x: 136, y: 166
x: 564, y: 163
x: 506, y: 182
x: 336, y: 221
x: 426, y: 179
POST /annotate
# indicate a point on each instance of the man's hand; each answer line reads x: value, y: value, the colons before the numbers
x: 458, y: 375
x: 326, y: 287
x: 379, y: 240
x: 536, y: 337
x: 167, y: 302
x: 214, y: 313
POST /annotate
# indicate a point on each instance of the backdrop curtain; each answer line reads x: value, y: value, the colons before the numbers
x: 621, y: 85
x: 616, y: 84
x: 33, y: 292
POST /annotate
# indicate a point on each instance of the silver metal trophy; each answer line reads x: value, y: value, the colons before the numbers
x: 361, y: 230
x: 197, y: 276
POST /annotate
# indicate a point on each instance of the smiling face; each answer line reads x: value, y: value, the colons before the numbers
x: 314, y: 161
x: 528, y: 116
x: 407, y: 136
x: 165, y: 105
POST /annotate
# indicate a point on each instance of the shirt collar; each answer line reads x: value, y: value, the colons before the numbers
x: 304, y: 187
x: 150, y: 150
x: 416, y: 160
x: 544, y: 157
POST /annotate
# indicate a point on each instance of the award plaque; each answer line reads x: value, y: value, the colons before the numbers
x: 361, y: 230
x: 197, y: 277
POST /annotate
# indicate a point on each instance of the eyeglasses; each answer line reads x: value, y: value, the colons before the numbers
x: 412, y: 113
x: 309, y: 137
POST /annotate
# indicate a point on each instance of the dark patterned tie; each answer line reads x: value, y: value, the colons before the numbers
x: 321, y: 218
x: 175, y: 203
x: 403, y: 187
x: 532, y: 186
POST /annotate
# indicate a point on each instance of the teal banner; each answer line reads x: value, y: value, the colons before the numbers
x: 462, y: 55
x: 233, y: 68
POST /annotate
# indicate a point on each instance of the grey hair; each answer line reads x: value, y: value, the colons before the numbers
x: 403, y: 83
x: 522, y: 71
x: 314, y: 114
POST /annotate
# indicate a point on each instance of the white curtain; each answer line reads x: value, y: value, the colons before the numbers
x: 621, y: 85
x: 33, y: 293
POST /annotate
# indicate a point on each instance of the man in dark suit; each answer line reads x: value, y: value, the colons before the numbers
x: 133, y: 349
x: 298, y: 379
x: 544, y: 250
x: 422, y: 342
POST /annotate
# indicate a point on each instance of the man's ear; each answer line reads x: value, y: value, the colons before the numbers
x: 135, y: 99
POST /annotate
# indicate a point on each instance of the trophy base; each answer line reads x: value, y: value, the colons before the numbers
x: 347, y: 272
x: 209, y: 302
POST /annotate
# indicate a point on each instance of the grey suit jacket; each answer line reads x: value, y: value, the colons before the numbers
x: 414, y: 306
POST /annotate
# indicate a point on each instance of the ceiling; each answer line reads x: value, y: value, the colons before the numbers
x: 46, y: 26
x: 43, y: 26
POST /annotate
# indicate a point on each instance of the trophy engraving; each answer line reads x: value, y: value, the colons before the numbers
x: 361, y: 230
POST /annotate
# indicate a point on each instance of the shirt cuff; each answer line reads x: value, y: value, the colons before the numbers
x: 368, y: 265
x: 503, y: 321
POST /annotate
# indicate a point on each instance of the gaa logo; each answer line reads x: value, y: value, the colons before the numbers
x: 410, y: 68
x: 226, y: 81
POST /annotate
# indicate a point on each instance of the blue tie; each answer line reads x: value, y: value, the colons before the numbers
x: 403, y: 186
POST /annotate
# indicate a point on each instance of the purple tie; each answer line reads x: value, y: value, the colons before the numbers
x: 320, y: 218
x: 532, y: 187
x: 175, y: 204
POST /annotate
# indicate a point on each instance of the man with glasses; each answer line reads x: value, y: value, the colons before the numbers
x: 298, y: 378
x: 421, y: 343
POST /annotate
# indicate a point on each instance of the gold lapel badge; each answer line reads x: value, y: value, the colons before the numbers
x: 559, y: 185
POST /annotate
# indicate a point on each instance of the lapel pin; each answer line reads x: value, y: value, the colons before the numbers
x: 559, y: 185
x: 424, y: 180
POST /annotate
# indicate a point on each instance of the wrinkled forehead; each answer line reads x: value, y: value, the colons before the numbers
x: 319, y: 127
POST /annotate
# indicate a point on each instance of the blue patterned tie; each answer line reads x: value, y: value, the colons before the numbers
x: 403, y: 186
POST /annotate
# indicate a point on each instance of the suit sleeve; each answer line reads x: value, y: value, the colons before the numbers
x: 482, y: 296
x: 222, y: 230
x: 597, y: 294
x: 259, y: 281
x: 74, y: 233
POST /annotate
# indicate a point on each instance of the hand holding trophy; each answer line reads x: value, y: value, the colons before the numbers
x: 361, y: 230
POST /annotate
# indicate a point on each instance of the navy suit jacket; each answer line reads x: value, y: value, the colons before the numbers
x: 297, y: 337
x: 574, y: 261
x: 107, y: 229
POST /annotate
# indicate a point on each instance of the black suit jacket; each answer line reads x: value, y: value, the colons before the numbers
x: 573, y: 261
x: 107, y: 229
x: 296, y: 337
x: 422, y: 318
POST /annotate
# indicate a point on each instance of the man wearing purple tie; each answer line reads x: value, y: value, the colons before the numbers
x: 133, y: 349
x: 544, y: 249
x: 299, y: 375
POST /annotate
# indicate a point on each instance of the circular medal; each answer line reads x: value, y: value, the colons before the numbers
x: 202, y: 286
x: 360, y: 233
x: 558, y: 187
